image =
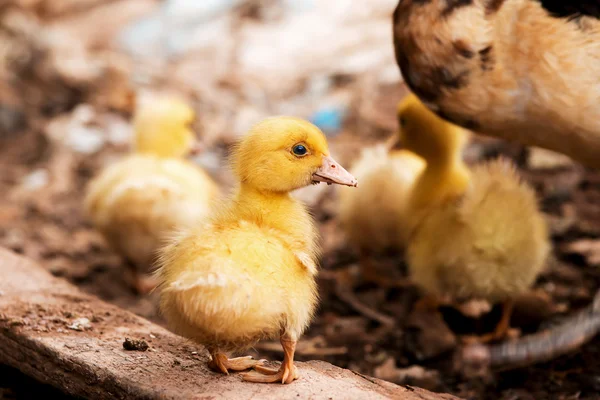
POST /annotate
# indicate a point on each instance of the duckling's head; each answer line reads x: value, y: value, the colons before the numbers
x: 162, y: 128
x: 281, y: 154
x: 426, y: 134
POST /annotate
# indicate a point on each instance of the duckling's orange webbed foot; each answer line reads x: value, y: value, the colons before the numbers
x: 220, y: 363
x: 501, y: 329
x: 287, y: 373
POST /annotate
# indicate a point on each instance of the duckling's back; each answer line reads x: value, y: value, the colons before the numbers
x: 136, y: 201
x: 491, y: 243
x: 372, y: 216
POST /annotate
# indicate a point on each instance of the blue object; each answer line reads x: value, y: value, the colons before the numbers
x: 329, y: 120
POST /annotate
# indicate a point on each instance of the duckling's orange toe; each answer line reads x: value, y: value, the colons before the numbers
x: 501, y: 331
x: 287, y: 373
x: 220, y: 363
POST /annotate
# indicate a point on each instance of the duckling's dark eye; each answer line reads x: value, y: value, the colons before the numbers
x: 402, y: 121
x: 299, y: 150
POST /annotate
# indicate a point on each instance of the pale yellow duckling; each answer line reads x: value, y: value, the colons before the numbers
x: 249, y: 272
x: 137, y: 200
x: 475, y: 233
x: 373, y: 217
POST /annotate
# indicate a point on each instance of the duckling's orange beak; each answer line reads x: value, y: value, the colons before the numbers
x: 332, y: 172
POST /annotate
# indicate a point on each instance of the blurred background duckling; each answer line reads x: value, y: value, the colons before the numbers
x: 474, y: 233
x: 249, y: 272
x: 373, y: 217
x: 137, y: 200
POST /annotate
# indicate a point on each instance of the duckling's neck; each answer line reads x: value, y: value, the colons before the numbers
x: 158, y: 153
x: 160, y: 147
x: 277, y: 210
x: 444, y: 178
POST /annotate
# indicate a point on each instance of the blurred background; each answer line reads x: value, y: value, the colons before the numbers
x: 71, y: 72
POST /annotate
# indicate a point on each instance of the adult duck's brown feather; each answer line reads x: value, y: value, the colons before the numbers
x: 522, y: 70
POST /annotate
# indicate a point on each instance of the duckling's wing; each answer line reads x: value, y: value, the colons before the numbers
x: 197, y: 277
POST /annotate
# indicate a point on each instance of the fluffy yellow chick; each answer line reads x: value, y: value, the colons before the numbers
x: 475, y: 233
x: 249, y: 272
x: 522, y: 70
x: 373, y: 217
x: 137, y: 200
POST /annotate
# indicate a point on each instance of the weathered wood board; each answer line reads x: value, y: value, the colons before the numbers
x: 59, y: 335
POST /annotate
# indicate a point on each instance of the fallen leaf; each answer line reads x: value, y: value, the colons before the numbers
x: 546, y: 159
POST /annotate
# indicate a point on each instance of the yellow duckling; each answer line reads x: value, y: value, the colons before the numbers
x: 373, y: 217
x: 249, y: 273
x: 475, y: 233
x: 137, y: 200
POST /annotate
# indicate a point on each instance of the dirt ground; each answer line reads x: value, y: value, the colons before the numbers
x: 42, y: 182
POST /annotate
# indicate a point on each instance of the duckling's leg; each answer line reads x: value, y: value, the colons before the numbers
x: 220, y: 362
x: 287, y: 373
x: 503, y: 326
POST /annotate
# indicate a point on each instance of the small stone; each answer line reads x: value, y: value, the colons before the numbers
x: 135, y: 344
x: 80, y: 324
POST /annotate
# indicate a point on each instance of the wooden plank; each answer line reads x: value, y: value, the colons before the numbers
x: 52, y: 331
